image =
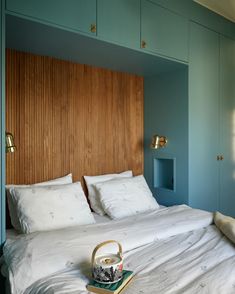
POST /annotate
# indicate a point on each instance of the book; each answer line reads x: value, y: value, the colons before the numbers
x: 114, y: 288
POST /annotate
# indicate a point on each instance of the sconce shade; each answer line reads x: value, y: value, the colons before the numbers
x: 10, y: 146
x: 158, y: 142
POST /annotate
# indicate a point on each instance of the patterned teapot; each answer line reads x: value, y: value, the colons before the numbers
x: 107, y: 269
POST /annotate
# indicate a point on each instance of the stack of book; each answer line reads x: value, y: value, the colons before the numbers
x: 114, y: 288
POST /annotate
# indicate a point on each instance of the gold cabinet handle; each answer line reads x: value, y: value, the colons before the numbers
x: 219, y: 157
x: 93, y: 28
x: 143, y: 44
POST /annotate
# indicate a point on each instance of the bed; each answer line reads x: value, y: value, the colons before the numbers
x: 170, y: 249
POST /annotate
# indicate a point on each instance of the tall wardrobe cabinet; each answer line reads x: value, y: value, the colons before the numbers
x: 227, y: 126
x: 211, y: 121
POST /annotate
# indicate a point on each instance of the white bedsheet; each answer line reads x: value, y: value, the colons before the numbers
x: 196, y: 260
x: 12, y: 234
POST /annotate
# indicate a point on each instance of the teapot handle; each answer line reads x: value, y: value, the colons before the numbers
x: 103, y: 244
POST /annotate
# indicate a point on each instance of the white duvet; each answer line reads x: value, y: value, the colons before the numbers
x: 171, y: 250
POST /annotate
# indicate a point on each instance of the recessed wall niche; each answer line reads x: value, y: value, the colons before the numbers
x: 164, y: 173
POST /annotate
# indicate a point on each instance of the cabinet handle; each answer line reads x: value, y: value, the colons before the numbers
x: 143, y: 44
x: 219, y: 157
x: 93, y: 28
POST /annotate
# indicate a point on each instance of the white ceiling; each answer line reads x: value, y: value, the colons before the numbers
x: 225, y: 8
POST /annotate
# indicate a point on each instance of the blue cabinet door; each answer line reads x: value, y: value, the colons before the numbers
x: 119, y: 21
x: 163, y: 31
x: 227, y: 126
x: 203, y: 118
x: 74, y: 14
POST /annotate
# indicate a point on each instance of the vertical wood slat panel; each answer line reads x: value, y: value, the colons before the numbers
x: 68, y: 117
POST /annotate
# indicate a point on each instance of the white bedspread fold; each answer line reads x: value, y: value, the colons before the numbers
x: 38, y: 255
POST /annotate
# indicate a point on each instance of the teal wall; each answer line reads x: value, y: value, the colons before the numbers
x: 166, y: 113
x: 2, y: 125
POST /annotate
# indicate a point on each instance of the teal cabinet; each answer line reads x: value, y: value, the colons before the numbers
x: 198, y: 118
x: 211, y: 121
x: 227, y: 126
x: 163, y: 32
x: 203, y: 118
x: 2, y: 126
x: 73, y: 14
x: 119, y: 21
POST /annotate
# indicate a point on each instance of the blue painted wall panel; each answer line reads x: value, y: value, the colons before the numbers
x: 166, y: 113
x: 2, y: 124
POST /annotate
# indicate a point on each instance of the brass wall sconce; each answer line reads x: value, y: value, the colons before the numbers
x: 158, y: 142
x: 10, y: 146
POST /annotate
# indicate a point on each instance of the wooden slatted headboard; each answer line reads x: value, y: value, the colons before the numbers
x: 68, y: 117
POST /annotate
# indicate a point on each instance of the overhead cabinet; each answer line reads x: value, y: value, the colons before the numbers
x: 119, y: 21
x: 163, y: 32
x: 134, y: 24
x: 73, y: 14
x: 211, y: 121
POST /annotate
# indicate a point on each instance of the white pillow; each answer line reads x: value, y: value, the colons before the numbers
x: 125, y: 197
x: 11, y: 205
x: 226, y: 225
x: 92, y: 193
x: 51, y: 207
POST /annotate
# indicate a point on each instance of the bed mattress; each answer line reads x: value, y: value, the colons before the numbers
x: 171, y: 250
